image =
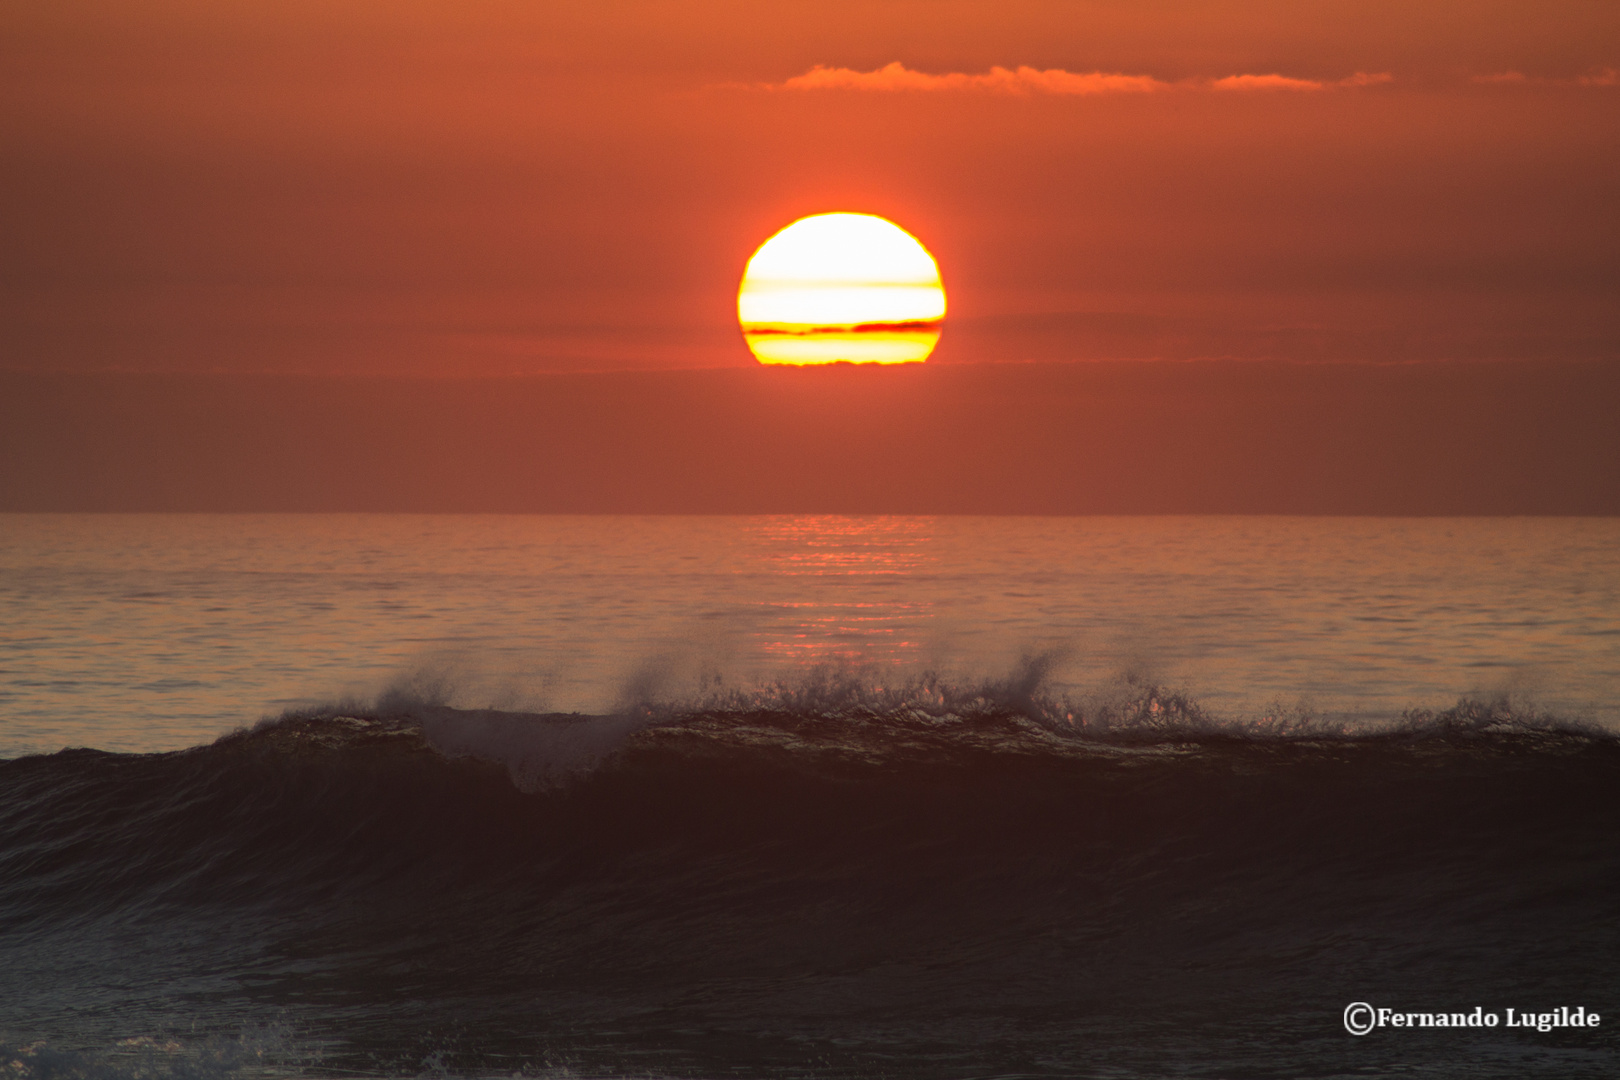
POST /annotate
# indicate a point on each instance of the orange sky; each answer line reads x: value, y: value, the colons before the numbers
x: 496, y: 187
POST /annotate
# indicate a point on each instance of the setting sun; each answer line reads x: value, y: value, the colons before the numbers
x: 841, y: 287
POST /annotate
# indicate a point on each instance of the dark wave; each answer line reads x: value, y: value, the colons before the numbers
x: 341, y: 804
x: 875, y: 872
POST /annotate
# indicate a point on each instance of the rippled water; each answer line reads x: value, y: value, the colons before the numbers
x: 151, y: 632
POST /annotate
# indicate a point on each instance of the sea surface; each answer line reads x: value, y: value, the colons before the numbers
x: 805, y: 796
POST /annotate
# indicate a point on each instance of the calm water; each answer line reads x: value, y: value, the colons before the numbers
x: 939, y: 798
x: 159, y: 632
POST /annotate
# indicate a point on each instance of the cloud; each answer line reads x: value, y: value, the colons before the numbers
x: 1601, y: 77
x: 1263, y: 82
x: 1027, y: 80
x: 1284, y: 82
x: 1368, y: 78
x: 1022, y: 80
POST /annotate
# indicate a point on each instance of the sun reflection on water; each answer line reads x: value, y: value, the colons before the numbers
x: 840, y: 569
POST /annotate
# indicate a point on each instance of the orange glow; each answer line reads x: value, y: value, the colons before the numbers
x: 512, y: 188
x: 841, y: 287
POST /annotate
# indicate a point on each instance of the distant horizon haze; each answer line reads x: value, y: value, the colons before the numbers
x: 1100, y: 438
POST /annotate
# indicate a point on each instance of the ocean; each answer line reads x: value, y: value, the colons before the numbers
x: 808, y: 796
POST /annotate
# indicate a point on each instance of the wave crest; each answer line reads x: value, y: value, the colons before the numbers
x: 854, y: 712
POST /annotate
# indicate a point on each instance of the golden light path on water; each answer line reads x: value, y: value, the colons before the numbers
x: 841, y: 287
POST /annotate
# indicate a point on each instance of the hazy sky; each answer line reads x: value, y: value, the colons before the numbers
x: 508, y: 187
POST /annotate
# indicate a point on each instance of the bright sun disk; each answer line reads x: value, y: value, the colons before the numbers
x: 841, y: 287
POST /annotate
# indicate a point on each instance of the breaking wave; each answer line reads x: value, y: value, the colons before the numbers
x: 831, y: 863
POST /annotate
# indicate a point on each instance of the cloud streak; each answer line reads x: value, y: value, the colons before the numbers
x: 1021, y: 80
x: 1025, y: 80
x: 1600, y: 77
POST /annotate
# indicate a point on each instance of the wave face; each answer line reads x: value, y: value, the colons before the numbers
x: 885, y: 888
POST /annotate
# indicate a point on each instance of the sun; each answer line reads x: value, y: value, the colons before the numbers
x: 841, y: 287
